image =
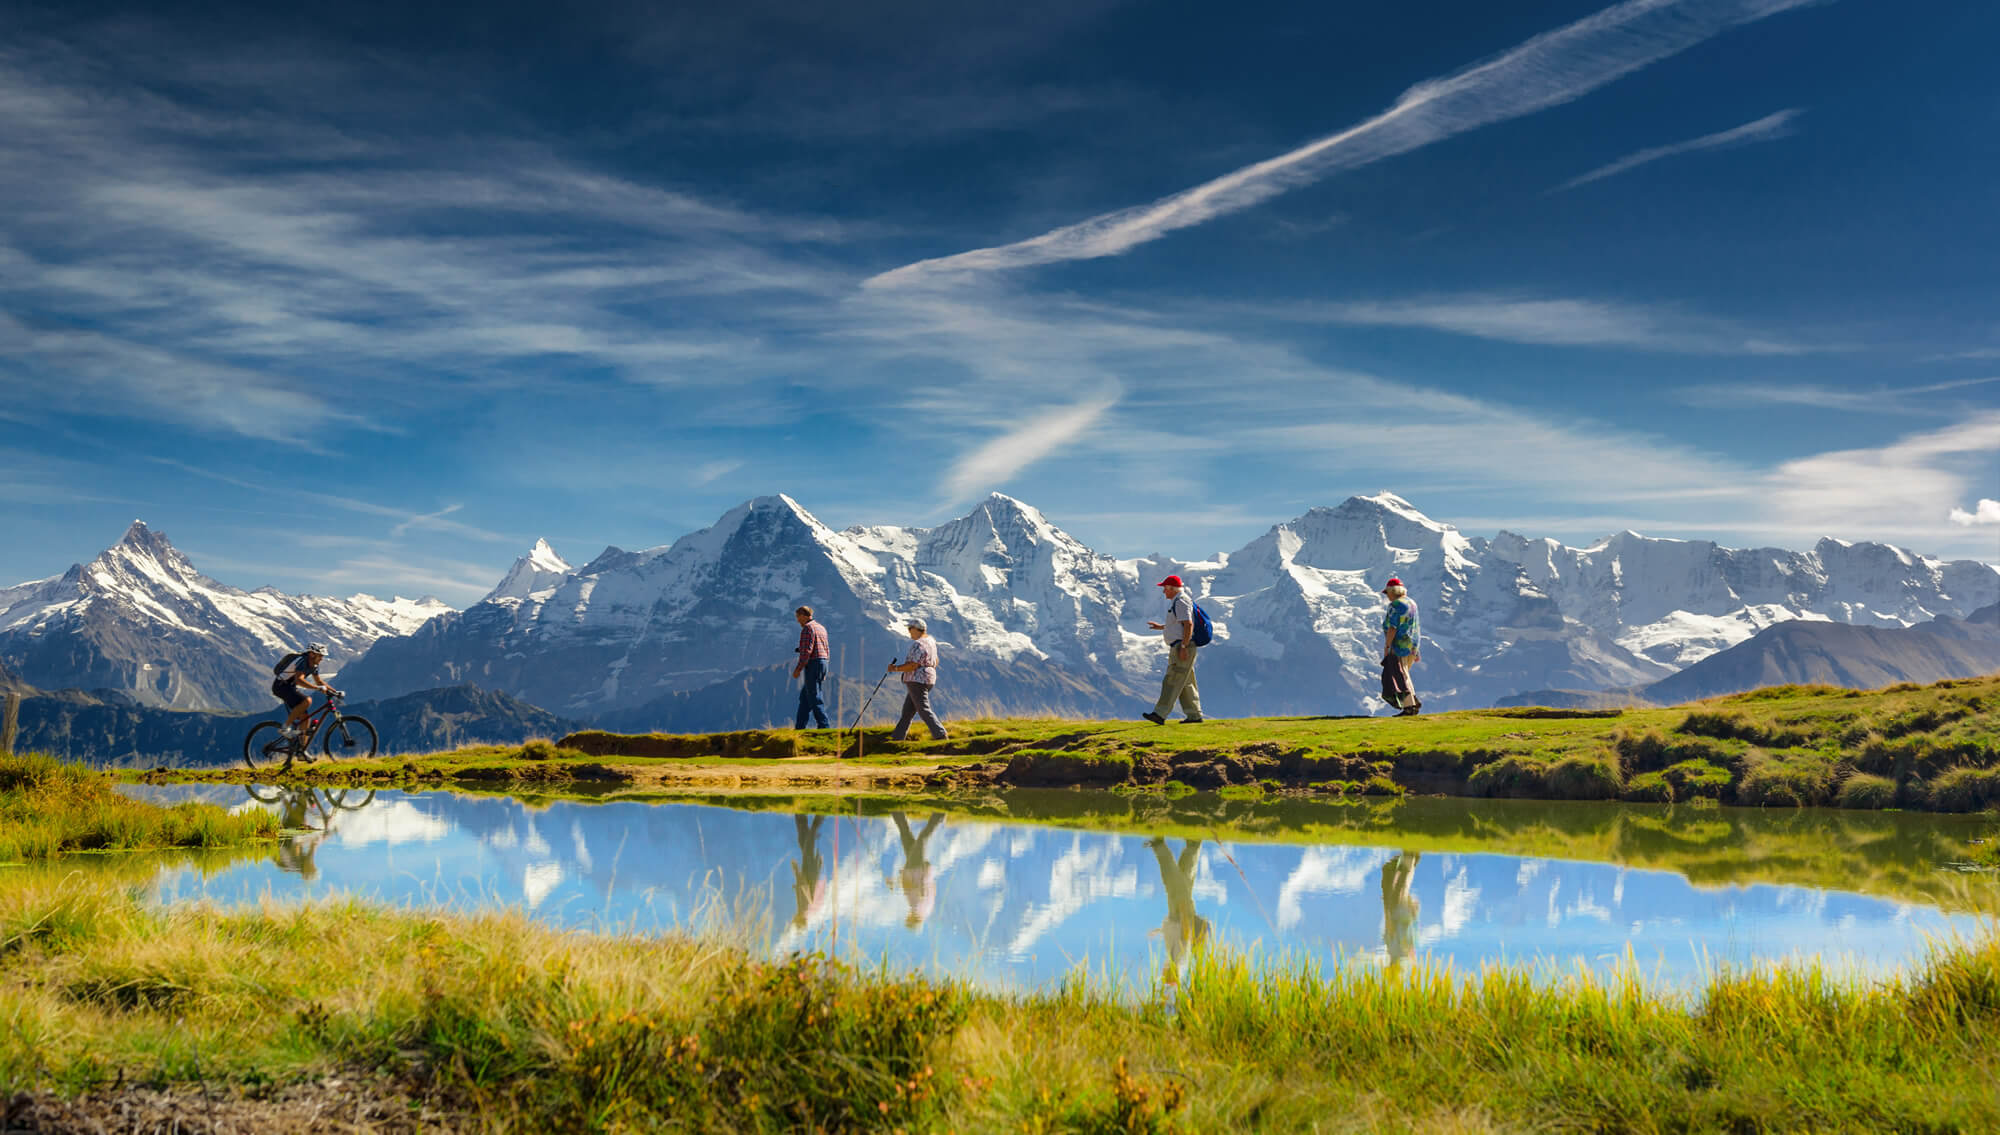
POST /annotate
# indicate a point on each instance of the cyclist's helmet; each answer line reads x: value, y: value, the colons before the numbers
x: 318, y: 648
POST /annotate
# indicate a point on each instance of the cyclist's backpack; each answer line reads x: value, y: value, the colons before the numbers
x: 1203, y: 632
x: 285, y: 663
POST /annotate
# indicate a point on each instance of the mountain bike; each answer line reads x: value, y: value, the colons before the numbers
x: 339, y: 734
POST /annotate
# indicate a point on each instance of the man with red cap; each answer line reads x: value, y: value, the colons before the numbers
x: 1178, y: 685
x: 1399, y: 649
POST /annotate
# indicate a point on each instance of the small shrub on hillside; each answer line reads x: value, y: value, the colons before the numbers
x: 1512, y: 775
x: 1136, y: 1107
x: 1865, y: 790
x: 1380, y: 785
x: 1584, y: 778
x: 1965, y: 789
x: 1697, y: 777
x: 543, y: 749
x: 1768, y: 781
x: 1649, y: 788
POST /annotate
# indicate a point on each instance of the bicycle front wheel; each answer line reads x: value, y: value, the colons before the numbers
x: 264, y: 747
x: 349, y: 736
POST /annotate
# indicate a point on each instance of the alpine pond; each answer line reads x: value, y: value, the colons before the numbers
x: 1024, y: 889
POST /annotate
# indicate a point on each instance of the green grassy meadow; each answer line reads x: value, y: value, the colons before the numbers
x: 496, y: 1023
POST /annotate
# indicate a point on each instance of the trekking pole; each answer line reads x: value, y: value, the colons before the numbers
x: 854, y: 728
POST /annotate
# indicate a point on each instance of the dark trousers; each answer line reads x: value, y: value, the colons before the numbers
x: 812, y: 699
x: 917, y: 703
x: 1397, y: 689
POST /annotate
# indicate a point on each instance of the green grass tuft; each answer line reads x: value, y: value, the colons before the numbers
x: 50, y: 808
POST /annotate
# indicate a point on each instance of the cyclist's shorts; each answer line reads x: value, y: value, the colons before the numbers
x: 288, y: 692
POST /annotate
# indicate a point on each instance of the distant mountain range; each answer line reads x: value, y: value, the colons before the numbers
x: 1033, y: 621
x: 698, y: 634
x: 1813, y: 652
x: 139, y: 619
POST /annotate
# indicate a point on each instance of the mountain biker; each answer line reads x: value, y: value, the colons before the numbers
x: 300, y: 670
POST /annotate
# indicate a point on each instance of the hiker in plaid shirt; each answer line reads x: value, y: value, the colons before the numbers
x: 813, y: 656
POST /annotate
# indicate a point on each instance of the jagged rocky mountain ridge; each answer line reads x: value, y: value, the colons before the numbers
x: 141, y: 620
x: 1035, y: 621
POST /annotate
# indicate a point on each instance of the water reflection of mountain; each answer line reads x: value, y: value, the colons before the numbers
x: 1016, y: 904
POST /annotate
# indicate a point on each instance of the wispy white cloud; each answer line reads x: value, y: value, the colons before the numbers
x: 1558, y: 322
x: 405, y: 519
x: 1890, y: 487
x: 1548, y: 70
x: 1902, y: 400
x: 148, y: 271
x: 992, y: 464
x: 1987, y: 511
x: 1769, y: 128
x: 710, y: 471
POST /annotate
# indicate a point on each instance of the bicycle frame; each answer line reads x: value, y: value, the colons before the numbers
x: 309, y: 730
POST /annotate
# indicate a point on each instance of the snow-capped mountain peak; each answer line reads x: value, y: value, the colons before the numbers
x: 541, y: 570
x: 142, y: 619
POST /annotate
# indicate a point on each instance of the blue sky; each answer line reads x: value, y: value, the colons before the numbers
x: 369, y: 299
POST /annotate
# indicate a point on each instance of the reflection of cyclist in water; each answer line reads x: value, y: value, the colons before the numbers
x: 1182, y: 928
x: 806, y: 889
x: 1399, y: 906
x: 297, y: 808
x: 917, y: 883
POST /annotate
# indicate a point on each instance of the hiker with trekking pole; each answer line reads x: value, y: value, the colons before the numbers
x: 919, y: 671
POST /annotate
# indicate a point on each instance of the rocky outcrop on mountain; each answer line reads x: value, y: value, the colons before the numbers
x: 104, y: 727
x: 698, y: 634
x: 1837, y: 654
x: 142, y: 620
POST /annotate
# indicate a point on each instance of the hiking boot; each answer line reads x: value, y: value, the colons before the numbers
x: 1155, y: 718
x: 1193, y: 720
x: 1412, y: 710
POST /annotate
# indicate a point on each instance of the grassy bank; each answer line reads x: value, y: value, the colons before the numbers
x: 51, y: 808
x: 1933, y: 748
x: 496, y: 1023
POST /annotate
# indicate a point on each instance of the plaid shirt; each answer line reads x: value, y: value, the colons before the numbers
x: 812, y: 642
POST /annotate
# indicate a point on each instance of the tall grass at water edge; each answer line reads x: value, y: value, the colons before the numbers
x: 509, y: 1025
x: 50, y: 808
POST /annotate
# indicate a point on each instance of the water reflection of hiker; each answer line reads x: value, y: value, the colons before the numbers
x: 1399, y: 906
x: 917, y: 882
x: 806, y: 890
x: 1182, y: 928
x: 1400, y: 638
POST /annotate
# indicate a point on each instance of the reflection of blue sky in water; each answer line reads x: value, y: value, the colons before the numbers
x: 1018, y: 905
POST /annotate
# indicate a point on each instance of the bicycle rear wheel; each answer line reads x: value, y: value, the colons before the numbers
x: 349, y: 736
x: 264, y: 747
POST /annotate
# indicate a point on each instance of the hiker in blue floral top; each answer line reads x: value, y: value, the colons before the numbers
x: 1400, y: 637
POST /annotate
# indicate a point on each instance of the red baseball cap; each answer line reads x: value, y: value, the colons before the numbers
x: 1392, y: 583
x: 1171, y: 581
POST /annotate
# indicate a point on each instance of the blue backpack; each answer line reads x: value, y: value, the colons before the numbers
x: 1203, y: 632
